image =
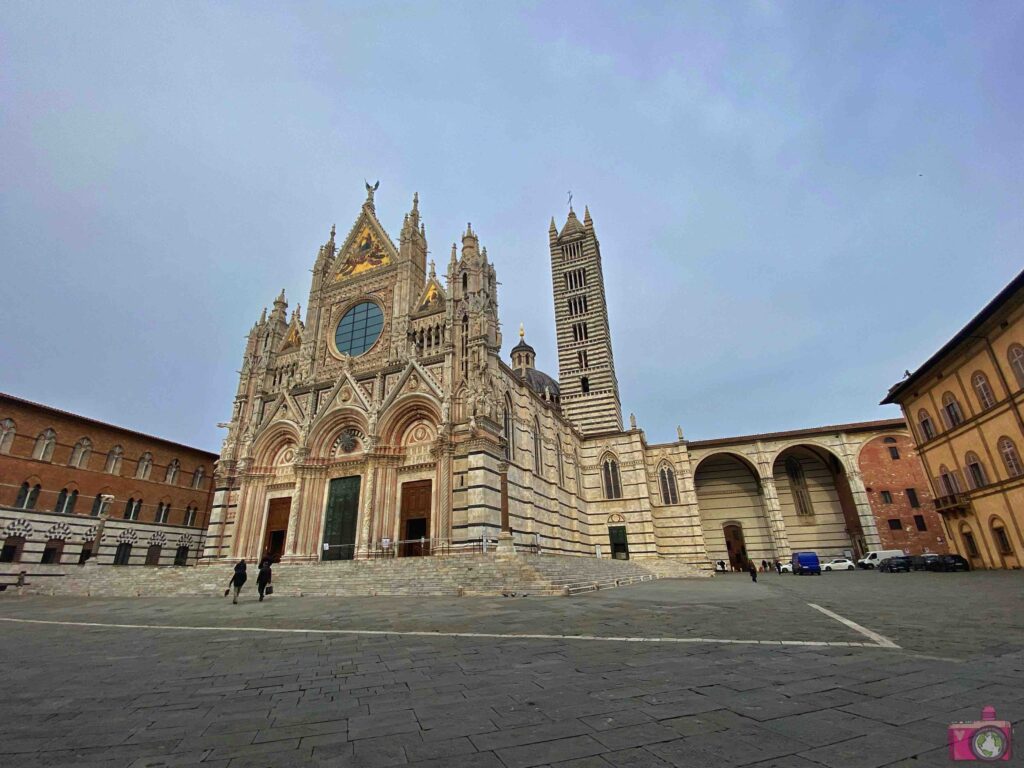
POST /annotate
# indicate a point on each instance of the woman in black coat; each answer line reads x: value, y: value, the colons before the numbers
x: 237, y: 580
x: 263, y: 578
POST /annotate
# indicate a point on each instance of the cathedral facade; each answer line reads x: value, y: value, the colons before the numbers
x: 386, y: 423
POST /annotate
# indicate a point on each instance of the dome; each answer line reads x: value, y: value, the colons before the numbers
x: 538, y: 381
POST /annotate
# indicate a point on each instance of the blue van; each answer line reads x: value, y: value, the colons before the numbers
x: 806, y: 562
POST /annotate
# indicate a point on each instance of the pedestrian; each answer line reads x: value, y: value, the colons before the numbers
x: 753, y: 571
x: 778, y: 567
x: 764, y: 566
x: 237, y: 580
x: 263, y: 578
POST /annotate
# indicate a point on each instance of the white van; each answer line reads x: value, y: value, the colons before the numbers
x: 873, y: 558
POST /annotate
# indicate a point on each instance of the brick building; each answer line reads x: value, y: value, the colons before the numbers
x: 73, y: 488
x: 900, y: 495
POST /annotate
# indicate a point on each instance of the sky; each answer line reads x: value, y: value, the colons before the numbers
x: 795, y: 201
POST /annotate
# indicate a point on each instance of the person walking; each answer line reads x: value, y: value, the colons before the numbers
x: 778, y: 567
x: 237, y: 580
x: 753, y: 571
x: 764, y: 566
x: 263, y: 578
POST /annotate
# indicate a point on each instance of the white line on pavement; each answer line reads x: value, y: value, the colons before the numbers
x: 385, y: 632
x: 880, y: 641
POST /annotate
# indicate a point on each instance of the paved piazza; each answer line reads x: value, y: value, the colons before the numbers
x: 339, y: 682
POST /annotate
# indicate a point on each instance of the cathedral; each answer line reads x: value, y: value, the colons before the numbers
x: 385, y: 422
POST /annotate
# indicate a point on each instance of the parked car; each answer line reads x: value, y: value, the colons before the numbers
x: 921, y: 562
x: 899, y: 564
x: 839, y: 564
x: 806, y: 562
x: 949, y: 563
x: 786, y: 568
x: 875, y: 557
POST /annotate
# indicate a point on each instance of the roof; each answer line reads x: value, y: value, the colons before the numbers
x: 523, y: 346
x: 572, y: 225
x: 51, y: 409
x: 857, y: 426
x: 538, y: 380
x: 964, y: 334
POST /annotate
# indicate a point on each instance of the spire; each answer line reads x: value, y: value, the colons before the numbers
x: 470, y: 242
x: 280, y: 300
x: 522, y: 332
x: 416, y: 203
x: 330, y: 242
x: 587, y: 221
x: 432, y: 273
x: 455, y: 250
x: 553, y: 228
x: 263, y: 316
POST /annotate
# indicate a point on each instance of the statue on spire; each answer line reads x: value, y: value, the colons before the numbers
x: 370, y: 191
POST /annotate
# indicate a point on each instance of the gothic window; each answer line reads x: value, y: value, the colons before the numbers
x: 584, y: 384
x: 197, y: 477
x: 975, y: 471
x: 610, y: 476
x: 7, y: 432
x: 132, y: 508
x: 12, y: 549
x: 99, y: 505
x: 465, y: 345
x: 508, y: 428
x: 114, y: 456
x: 144, y: 467
x: 123, y: 553
x: 798, y: 484
x: 45, y: 444
x: 981, y: 386
x: 1016, y: 357
x: 951, y: 410
x: 65, y: 502
x: 558, y: 459
x: 581, y: 357
x: 190, y: 516
x: 465, y: 282
x: 927, y: 427
x: 578, y: 472
x: 1008, y: 450
x: 580, y: 332
x: 667, y: 480
x: 80, y: 454
x: 538, y: 454
x: 171, y: 476
x: 22, y: 496
x: 163, y: 511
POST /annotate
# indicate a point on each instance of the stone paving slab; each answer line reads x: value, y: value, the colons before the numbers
x: 115, y: 697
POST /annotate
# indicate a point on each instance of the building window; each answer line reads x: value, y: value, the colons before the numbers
x: 465, y: 282
x: 969, y: 544
x: 886, y: 497
x: 171, y: 476
x: 919, y: 522
x: 798, y: 484
x: 7, y: 432
x: 925, y: 421
x: 610, y: 475
x: 584, y: 384
x: 80, y: 454
x: 949, y: 483
x: 894, y: 452
x: 981, y: 386
x: 11, y: 553
x: 538, y: 455
x: 580, y: 332
x: 22, y: 496
x: 508, y: 424
x: 99, y: 505
x: 1016, y: 357
x: 190, y: 516
x: 163, y: 511
x: 465, y: 344
x: 144, y: 467
x: 1002, y: 540
x: 66, y: 502
x: 197, y: 477
x: 45, y: 444
x: 27, y: 496
x: 113, y: 466
x: 912, y: 498
x: 181, y: 556
x: 52, y: 552
x: 581, y: 358
x: 558, y: 458
x: 1008, y: 450
x: 123, y: 553
x: 578, y: 473
x: 669, y: 491
x: 153, y: 554
x: 976, y: 471
x: 132, y: 508
x: 894, y: 524
x: 951, y: 410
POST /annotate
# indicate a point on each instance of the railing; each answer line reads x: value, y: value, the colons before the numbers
x: 421, y: 547
x: 953, y: 502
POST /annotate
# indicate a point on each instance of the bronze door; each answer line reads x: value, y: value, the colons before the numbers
x: 414, y: 523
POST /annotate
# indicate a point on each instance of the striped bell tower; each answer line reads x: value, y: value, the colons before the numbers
x: 586, y: 369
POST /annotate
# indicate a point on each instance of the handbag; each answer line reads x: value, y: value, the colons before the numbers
x: 269, y: 590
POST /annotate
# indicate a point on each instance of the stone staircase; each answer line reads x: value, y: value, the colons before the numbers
x: 510, y: 575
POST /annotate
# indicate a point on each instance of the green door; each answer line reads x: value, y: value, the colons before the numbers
x: 617, y: 538
x: 340, y: 519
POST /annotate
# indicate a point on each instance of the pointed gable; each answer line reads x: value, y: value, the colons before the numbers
x: 293, y: 337
x: 432, y: 298
x: 366, y: 247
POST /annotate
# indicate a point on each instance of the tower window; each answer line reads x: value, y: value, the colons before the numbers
x: 579, y: 332
x: 584, y: 384
x: 581, y: 357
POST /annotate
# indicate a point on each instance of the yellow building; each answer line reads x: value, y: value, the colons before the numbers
x: 964, y: 407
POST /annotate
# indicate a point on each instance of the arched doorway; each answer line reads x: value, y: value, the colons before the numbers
x: 736, y: 546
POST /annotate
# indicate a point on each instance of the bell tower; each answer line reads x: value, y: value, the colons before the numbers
x: 586, y: 368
